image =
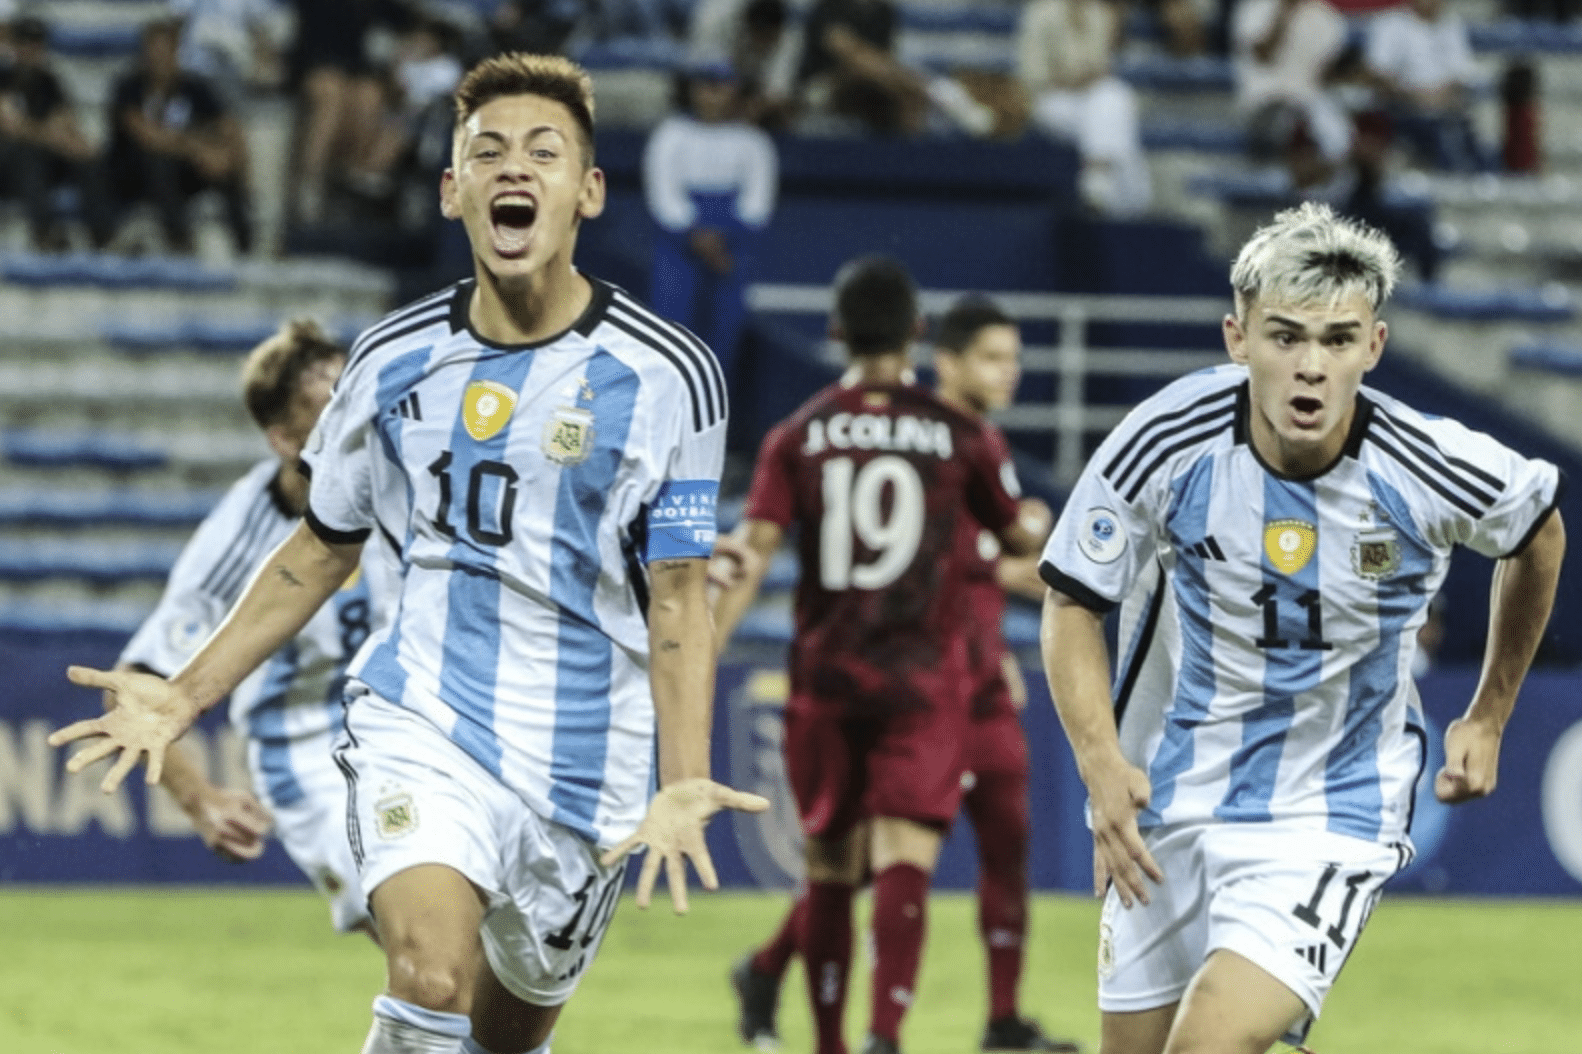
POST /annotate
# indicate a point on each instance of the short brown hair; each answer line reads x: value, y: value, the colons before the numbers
x: 273, y: 370
x: 519, y: 73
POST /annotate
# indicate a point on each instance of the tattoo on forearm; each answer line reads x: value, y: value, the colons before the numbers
x: 669, y: 645
x: 670, y: 566
x: 285, y: 575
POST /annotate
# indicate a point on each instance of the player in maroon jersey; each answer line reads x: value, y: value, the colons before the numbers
x: 878, y: 475
x: 978, y: 360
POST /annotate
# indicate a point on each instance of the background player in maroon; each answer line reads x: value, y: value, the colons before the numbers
x: 978, y: 360
x: 877, y: 474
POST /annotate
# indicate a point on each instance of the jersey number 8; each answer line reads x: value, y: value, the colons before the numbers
x: 854, y: 512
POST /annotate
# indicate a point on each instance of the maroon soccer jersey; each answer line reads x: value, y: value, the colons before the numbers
x: 983, y: 606
x: 878, y: 480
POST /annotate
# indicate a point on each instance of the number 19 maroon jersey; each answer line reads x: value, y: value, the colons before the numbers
x: 876, y: 479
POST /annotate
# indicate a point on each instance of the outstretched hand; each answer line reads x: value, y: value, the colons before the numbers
x: 149, y: 715
x: 673, y: 831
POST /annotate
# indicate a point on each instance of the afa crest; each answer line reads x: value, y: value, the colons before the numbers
x: 568, y: 435
x: 1376, y: 553
x: 1289, y: 544
x: 486, y: 408
x: 397, y: 815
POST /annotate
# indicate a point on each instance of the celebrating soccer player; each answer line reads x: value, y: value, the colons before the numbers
x: 978, y: 360
x: 290, y: 708
x: 1274, y: 533
x: 545, y: 455
x: 878, y: 475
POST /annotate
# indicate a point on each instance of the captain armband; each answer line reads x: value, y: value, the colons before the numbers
x: 681, y: 520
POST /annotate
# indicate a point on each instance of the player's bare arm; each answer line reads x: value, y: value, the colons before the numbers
x: 1076, y: 661
x: 151, y: 713
x: 1522, y: 595
x: 681, y: 675
x: 1019, y: 575
x: 1025, y: 535
x: 759, y: 540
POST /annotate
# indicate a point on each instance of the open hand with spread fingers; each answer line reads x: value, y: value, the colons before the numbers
x: 149, y: 715
x: 673, y: 830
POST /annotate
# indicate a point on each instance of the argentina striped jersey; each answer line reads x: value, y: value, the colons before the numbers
x: 292, y: 703
x: 1268, y: 622
x: 526, y: 488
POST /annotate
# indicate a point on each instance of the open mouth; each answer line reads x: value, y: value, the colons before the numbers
x: 512, y: 220
x: 1306, y: 408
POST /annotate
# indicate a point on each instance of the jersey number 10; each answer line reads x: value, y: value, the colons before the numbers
x: 854, y: 512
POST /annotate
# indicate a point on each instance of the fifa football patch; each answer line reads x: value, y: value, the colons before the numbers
x: 681, y: 520
x: 486, y: 408
x: 1289, y: 544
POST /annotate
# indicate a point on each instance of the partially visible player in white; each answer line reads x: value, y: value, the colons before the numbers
x: 289, y: 710
x: 546, y: 454
x: 1275, y: 532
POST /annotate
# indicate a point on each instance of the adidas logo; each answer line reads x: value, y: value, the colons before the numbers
x: 409, y: 407
x: 1207, y: 549
x: 1317, y: 955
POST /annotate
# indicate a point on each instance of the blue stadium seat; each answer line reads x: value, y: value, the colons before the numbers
x: 93, y: 42
x: 1202, y: 73
x: 101, y: 508
x: 36, y: 561
x: 1220, y: 137
x: 1547, y: 304
x: 783, y: 572
x: 964, y: 19
x: 1562, y: 359
x: 57, y: 449
x: 113, y: 272
x: 1520, y: 35
x: 119, y: 620
x: 624, y: 53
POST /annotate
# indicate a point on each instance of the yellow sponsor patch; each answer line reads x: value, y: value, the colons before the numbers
x: 486, y: 407
x: 1289, y: 544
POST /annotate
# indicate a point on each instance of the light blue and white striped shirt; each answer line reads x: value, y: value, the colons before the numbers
x: 526, y: 488
x: 1268, y: 624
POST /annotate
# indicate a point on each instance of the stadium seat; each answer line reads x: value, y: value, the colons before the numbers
x: 1202, y: 73
x: 93, y: 41
x: 87, y: 449
x: 1219, y: 137
x: 103, y: 508
x: 1562, y: 359
x: 113, y: 272
x: 1525, y: 36
x: 36, y: 561
x: 113, y: 619
x: 1551, y: 303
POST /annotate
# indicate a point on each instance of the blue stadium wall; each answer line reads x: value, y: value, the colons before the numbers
x: 54, y: 828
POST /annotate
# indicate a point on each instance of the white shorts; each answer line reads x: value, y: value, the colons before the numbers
x: 417, y: 798
x: 313, y: 828
x: 1292, y: 900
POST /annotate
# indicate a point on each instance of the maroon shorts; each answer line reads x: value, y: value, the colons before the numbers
x: 996, y: 744
x: 844, y: 770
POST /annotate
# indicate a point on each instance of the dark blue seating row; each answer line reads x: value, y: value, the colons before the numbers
x: 1562, y: 359
x: 1546, y: 304
x: 36, y: 562
x: 105, y: 508
x: 114, y: 272
x: 40, y: 448
x: 1220, y: 137
x: 118, y: 620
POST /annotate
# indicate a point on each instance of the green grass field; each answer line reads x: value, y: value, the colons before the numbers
x: 199, y: 971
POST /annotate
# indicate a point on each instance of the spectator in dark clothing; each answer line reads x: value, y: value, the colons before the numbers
x: 343, y: 95
x: 42, y: 145
x: 171, y: 138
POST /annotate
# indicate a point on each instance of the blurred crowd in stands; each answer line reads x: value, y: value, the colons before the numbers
x: 1330, y: 95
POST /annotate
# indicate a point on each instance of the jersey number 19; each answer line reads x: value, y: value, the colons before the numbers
x: 854, y: 511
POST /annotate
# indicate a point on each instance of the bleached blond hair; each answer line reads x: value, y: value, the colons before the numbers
x: 1309, y: 255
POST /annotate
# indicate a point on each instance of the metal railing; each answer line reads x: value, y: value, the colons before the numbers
x: 1069, y: 418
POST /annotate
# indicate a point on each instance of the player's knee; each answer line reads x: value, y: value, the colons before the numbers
x: 430, y: 982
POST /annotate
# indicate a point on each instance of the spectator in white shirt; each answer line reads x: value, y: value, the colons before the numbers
x: 1064, y: 52
x: 710, y: 180
x: 1283, y: 50
x: 1420, y: 59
